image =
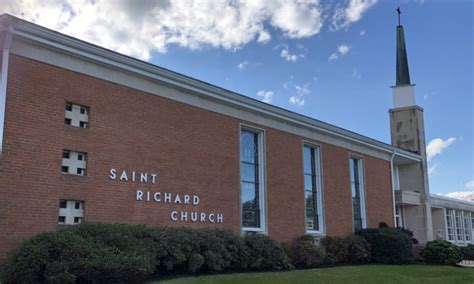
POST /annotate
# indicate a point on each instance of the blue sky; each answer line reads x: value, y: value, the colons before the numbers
x: 333, y: 61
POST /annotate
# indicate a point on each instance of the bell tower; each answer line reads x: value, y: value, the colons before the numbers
x: 408, y: 132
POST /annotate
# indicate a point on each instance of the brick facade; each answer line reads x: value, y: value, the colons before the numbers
x: 195, y: 151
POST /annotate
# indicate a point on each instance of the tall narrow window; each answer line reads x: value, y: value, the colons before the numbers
x: 467, y: 226
x: 252, y: 199
x: 459, y: 226
x: 450, y: 224
x: 358, y: 198
x: 472, y: 225
x: 312, y: 190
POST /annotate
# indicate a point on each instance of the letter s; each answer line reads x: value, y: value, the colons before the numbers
x: 113, y: 174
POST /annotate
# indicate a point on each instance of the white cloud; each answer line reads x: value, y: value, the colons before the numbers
x: 266, y: 96
x: 138, y: 28
x: 362, y: 32
x: 242, y: 65
x: 301, y: 92
x: 343, y: 17
x: 437, y: 146
x: 342, y: 50
x: 463, y: 195
x: 470, y: 185
x: 285, y: 53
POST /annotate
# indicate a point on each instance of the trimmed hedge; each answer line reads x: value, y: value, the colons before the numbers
x: 388, y: 245
x: 350, y: 249
x: 441, y: 252
x: 304, y: 253
x: 98, y: 253
x: 468, y: 252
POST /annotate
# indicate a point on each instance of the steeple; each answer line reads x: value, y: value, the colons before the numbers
x: 403, y: 91
x: 403, y: 74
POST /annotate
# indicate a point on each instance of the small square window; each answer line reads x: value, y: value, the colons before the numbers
x: 74, y: 162
x: 66, y: 154
x: 76, y: 115
x: 70, y: 212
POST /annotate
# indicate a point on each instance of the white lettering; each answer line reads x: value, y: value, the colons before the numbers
x: 167, y: 197
x: 194, y: 216
x: 220, y: 218
x: 143, y: 177
x: 174, y: 215
x: 147, y: 196
x: 133, y: 176
x: 177, y: 200
x: 184, y: 216
x: 195, y: 200
x: 211, y: 217
x: 139, y: 195
x: 112, y: 174
x: 157, y: 197
x: 203, y: 217
x: 186, y: 199
x: 123, y: 176
x: 153, y: 178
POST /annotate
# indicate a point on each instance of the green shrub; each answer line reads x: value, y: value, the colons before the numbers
x: 468, y: 252
x: 441, y: 252
x: 83, y: 253
x: 388, y: 245
x: 346, y: 250
x: 265, y: 254
x: 304, y: 253
x: 113, y: 253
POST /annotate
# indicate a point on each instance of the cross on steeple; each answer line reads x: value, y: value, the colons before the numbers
x: 399, y: 12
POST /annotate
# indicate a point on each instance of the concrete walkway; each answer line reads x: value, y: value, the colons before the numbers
x: 467, y: 263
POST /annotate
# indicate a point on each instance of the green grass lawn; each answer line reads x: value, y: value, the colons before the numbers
x: 347, y: 274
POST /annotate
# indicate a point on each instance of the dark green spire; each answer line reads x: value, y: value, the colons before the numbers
x: 403, y: 74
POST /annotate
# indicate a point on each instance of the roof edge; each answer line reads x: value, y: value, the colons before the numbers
x: 77, y: 47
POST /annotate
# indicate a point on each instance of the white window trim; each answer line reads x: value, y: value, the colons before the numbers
x: 453, y: 224
x: 261, y: 175
x: 319, y: 185
x: 362, y: 190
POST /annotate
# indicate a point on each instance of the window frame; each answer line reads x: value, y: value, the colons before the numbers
x: 448, y: 212
x: 362, y: 190
x: 319, y: 187
x: 262, y: 229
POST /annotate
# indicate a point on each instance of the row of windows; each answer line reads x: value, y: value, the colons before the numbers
x: 74, y: 163
x: 253, y: 193
x: 459, y: 226
x: 252, y: 181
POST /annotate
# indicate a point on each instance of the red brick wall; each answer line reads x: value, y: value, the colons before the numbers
x: 195, y: 151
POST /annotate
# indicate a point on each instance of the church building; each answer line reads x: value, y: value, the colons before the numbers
x: 91, y: 135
